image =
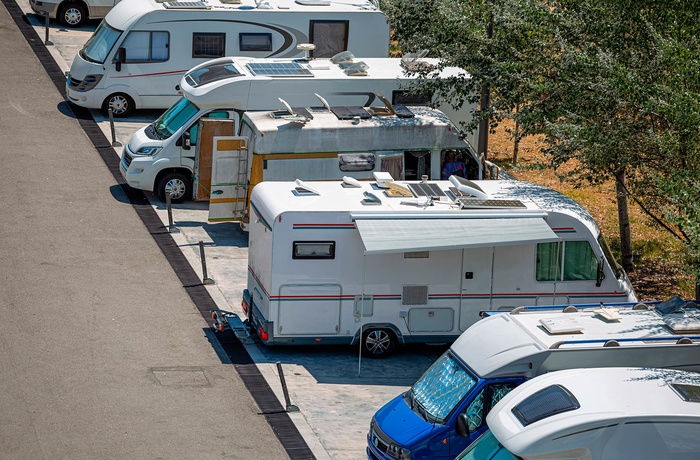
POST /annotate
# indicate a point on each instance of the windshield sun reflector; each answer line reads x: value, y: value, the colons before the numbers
x: 550, y: 401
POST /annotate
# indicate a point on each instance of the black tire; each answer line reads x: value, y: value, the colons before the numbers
x: 378, y: 343
x: 72, y: 14
x: 179, y: 184
x: 122, y: 105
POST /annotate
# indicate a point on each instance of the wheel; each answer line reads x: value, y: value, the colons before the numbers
x: 177, y: 185
x: 378, y: 343
x: 122, y: 105
x: 72, y: 15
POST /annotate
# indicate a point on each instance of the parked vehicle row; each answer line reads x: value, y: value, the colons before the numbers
x: 356, y: 237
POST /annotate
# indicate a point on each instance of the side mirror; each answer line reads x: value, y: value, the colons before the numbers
x: 121, y: 57
x: 186, y: 141
x: 462, y: 428
x: 600, y: 273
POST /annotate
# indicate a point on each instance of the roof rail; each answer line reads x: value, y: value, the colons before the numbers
x: 686, y: 340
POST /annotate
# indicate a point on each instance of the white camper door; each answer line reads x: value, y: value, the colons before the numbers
x: 477, y: 283
x: 309, y: 309
x: 229, y: 178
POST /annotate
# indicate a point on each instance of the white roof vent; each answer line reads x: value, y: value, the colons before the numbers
x: 342, y: 57
x: 358, y: 69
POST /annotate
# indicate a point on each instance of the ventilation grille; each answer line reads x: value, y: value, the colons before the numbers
x: 414, y: 295
x: 417, y: 255
x: 186, y: 5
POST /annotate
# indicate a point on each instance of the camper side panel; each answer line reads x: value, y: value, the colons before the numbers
x: 319, y: 275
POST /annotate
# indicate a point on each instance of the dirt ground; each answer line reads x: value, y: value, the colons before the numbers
x: 658, y: 272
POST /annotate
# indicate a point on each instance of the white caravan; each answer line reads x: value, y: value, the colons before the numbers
x: 445, y: 410
x: 415, y: 262
x: 227, y: 88
x: 320, y: 143
x: 596, y: 414
x: 141, y: 50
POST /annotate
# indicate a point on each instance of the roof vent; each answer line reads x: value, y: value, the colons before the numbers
x: 545, y: 403
x: 342, y: 57
x: 358, y: 69
x: 689, y: 393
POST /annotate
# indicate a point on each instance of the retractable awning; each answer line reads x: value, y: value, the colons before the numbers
x: 386, y: 236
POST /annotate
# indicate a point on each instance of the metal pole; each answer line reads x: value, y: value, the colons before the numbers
x: 289, y: 407
x: 47, y: 42
x: 205, y: 278
x: 111, y: 126
x: 169, y: 205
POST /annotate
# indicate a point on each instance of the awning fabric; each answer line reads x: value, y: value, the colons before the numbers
x: 386, y: 236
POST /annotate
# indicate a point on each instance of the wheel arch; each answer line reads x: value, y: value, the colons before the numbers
x: 128, y: 90
x: 169, y: 170
x: 370, y: 326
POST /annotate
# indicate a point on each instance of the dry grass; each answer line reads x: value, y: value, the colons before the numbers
x: 658, y: 261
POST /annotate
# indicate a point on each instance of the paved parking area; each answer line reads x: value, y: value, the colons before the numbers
x: 336, y: 392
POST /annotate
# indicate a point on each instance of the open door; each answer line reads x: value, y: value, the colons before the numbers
x: 208, y: 129
x: 229, y: 178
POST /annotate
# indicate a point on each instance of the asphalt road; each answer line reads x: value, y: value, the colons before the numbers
x: 102, y: 352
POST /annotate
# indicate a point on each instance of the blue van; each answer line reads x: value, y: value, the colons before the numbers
x: 445, y: 410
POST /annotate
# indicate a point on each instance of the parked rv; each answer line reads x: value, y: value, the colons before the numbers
x: 226, y: 88
x: 142, y: 48
x: 313, y: 143
x: 596, y: 414
x: 354, y: 262
x: 445, y: 410
x: 73, y: 13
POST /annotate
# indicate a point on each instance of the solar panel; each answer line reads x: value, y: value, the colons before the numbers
x: 279, y: 69
x: 349, y: 113
x: 426, y: 189
x: 480, y: 203
x: 186, y: 5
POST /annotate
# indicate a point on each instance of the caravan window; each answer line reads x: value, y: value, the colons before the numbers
x: 330, y: 37
x: 208, y: 45
x: 313, y: 250
x: 147, y: 46
x: 567, y: 261
x: 255, y: 42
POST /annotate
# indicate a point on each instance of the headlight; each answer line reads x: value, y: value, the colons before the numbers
x: 89, y: 82
x: 149, y: 151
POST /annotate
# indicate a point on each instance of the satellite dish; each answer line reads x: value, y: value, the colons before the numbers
x: 286, y: 106
x: 323, y: 101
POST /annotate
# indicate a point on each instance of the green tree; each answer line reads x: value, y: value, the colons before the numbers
x: 612, y: 85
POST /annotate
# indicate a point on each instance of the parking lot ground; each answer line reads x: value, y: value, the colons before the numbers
x: 335, y: 390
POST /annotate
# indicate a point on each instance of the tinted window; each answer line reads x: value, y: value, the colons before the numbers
x: 208, y: 45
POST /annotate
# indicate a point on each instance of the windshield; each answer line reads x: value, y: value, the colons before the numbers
x: 440, y: 389
x: 486, y: 447
x: 173, y: 119
x: 609, y: 255
x: 99, y: 45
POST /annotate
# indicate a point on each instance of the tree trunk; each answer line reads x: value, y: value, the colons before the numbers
x: 516, y: 143
x: 624, y: 221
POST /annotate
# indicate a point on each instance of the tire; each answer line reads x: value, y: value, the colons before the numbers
x: 122, y: 105
x: 72, y: 15
x: 378, y: 343
x: 179, y: 185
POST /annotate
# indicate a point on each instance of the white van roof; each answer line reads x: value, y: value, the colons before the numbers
x: 596, y: 399
x: 534, y: 343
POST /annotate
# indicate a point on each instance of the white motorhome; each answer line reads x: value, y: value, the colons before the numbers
x: 227, y: 88
x: 445, y: 410
x: 416, y: 262
x: 142, y: 48
x: 596, y: 414
x: 313, y: 143
x: 73, y: 13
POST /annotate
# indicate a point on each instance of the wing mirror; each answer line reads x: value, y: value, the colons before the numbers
x: 600, y: 273
x: 121, y: 57
x: 462, y: 427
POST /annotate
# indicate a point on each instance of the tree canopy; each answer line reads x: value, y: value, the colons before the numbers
x: 611, y: 85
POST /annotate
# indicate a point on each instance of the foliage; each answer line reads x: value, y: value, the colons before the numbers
x: 611, y: 84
